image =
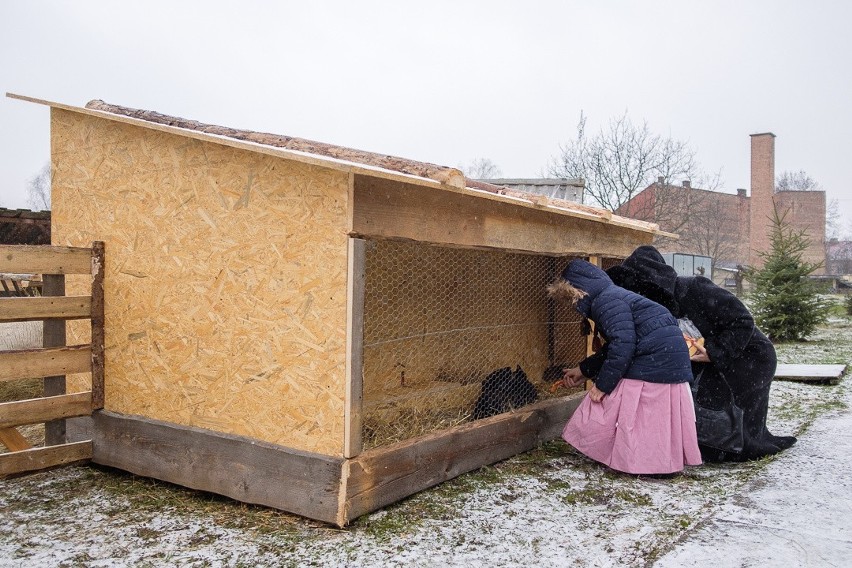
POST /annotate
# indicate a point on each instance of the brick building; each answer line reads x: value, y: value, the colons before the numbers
x: 732, y: 228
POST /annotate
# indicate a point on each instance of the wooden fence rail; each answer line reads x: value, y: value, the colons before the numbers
x: 54, y: 360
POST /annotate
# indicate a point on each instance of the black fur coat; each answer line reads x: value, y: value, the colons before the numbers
x: 742, y: 359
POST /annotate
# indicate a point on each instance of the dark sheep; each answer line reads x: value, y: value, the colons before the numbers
x: 503, y: 390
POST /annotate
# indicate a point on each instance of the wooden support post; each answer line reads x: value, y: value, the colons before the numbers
x: 97, y: 325
x: 54, y: 336
x: 596, y: 260
x: 551, y: 315
x: 355, y: 349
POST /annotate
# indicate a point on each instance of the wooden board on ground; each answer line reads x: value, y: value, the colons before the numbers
x: 810, y: 373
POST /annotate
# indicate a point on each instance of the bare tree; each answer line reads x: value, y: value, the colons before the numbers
x: 796, y: 181
x: 832, y: 219
x: 713, y: 230
x: 38, y: 190
x: 622, y: 160
x: 481, y: 168
x: 838, y: 257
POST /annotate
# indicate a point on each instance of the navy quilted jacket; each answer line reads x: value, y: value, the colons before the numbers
x: 643, y: 340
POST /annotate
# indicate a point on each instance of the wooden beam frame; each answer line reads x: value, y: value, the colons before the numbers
x: 34, y: 259
x: 44, y: 409
x: 45, y: 362
x: 386, y: 209
x: 42, y: 458
x: 46, y: 307
x: 97, y: 261
x: 354, y: 349
x: 53, y: 290
x: 381, y: 476
x: 329, y: 489
x: 248, y: 470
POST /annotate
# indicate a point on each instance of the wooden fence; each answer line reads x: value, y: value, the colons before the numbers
x: 55, y: 359
x: 24, y: 286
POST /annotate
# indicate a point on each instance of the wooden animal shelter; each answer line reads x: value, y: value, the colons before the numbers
x: 306, y: 326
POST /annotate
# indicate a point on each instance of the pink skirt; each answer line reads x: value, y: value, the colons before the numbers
x: 639, y: 428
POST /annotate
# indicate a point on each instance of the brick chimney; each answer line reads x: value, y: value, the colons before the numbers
x: 762, y: 193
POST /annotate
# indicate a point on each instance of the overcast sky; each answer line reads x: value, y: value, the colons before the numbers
x: 448, y: 81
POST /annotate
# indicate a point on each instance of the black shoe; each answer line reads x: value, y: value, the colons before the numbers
x: 783, y: 442
x: 755, y: 451
x: 712, y: 455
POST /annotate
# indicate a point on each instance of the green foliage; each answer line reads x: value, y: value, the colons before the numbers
x: 786, y: 303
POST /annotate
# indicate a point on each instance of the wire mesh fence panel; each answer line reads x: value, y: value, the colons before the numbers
x: 609, y: 262
x: 452, y: 335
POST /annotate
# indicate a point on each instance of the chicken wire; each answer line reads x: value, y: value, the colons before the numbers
x: 452, y: 335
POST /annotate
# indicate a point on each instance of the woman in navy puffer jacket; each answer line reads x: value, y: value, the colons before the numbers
x: 638, y: 417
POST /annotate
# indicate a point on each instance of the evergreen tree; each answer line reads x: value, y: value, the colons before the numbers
x: 785, y: 302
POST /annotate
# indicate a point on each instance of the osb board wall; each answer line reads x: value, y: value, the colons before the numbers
x: 225, y: 283
x: 438, y: 320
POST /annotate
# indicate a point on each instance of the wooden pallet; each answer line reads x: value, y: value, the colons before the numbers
x: 810, y: 373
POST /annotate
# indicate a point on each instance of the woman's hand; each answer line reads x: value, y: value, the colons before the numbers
x: 596, y: 394
x: 571, y: 377
x: 700, y: 354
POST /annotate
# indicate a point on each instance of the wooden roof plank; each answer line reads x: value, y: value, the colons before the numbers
x: 348, y: 162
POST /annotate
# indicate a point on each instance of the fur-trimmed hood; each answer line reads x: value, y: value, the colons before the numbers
x: 587, y: 277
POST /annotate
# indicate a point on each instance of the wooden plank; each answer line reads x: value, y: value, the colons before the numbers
x: 355, y: 349
x: 810, y: 373
x: 33, y: 363
x: 382, y: 476
x: 385, y: 209
x: 13, y: 440
x: 39, y: 308
x: 443, y: 174
x: 36, y: 410
x: 42, y: 458
x: 98, y: 259
x: 42, y: 259
x: 53, y: 289
x: 245, y: 469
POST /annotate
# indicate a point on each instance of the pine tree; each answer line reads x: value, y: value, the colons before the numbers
x: 785, y: 302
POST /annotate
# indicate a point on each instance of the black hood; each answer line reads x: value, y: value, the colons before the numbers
x: 646, y: 273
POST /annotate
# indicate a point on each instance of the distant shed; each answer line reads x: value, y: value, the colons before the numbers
x: 306, y: 326
x: 24, y: 227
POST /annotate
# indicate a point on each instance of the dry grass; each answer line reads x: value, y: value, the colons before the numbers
x: 409, y: 423
x: 23, y: 335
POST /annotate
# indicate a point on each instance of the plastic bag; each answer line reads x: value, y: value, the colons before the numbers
x: 691, y: 335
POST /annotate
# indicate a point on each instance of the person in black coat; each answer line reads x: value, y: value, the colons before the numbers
x: 737, y: 361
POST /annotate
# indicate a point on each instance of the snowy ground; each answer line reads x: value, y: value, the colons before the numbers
x: 550, y: 506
